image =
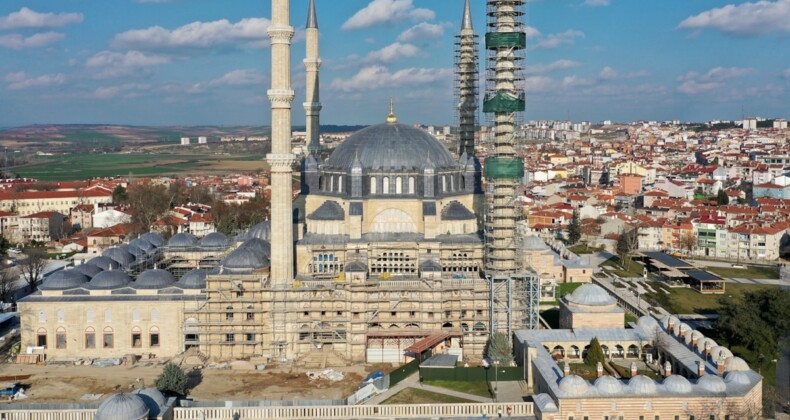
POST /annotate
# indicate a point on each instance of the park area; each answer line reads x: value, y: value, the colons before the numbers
x: 685, y: 300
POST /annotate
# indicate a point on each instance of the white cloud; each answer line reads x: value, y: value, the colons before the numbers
x: 421, y: 32
x: 22, y: 80
x: 786, y: 74
x: 377, y: 77
x: 387, y: 11
x: 608, y: 73
x: 555, y: 40
x: 596, y: 3
x: 197, y: 35
x: 113, y: 64
x: 694, y: 83
x: 241, y: 77
x: 548, y: 68
x: 17, y: 41
x: 756, y: 18
x: 30, y: 19
x: 531, y: 32
x: 128, y: 90
x: 392, y: 53
x: 693, y: 87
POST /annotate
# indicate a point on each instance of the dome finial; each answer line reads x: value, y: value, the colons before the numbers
x: 392, y: 119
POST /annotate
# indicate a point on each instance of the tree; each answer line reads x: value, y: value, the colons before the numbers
x: 595, y: 353
x: 8, y: 278
x: 722, y: 199
x: 32, y: 267
x: 627, y: 243
x: 172, y: 380
x: 688, y: 242
x: 4, y: 245
x: 201, y: 195
x: 574, y: 229
x: 148, y: 202
x: 500, y: 348
x: 757, y: 321
x: 119, y: 194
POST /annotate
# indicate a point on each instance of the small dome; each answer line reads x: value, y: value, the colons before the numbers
x: 677, y: 384
x: 258, y: 245
x: 457, y: 211
x: 244, y: 259
x: 153, y: 399
x: 533, y: 243
x: 154, y: 239
x: 143, y: 245
x: 680, y: 329
x: 736, y: 364
x: 590, y: 295
x: 329, y: 210
x: 124, y: 257
x: 647, y: 323
x: 64, y: 280
x: 111, y: 279
x: 195, y: 279
x: 705, y: 342
x: 262, y: 230
x: 215, y: 240
x: 608, y: 385
x: 545, y: 403
x: 182, y: 240
x: 642, y: 385
x: 89, y: 270
x: 720, y: 353
x: 573, y: 385
x: 669, y: 319
x: 105, y: 263
x: 154, y: 279
x: 737, y: 378
x: 711, y: 383
x: 122, y: 407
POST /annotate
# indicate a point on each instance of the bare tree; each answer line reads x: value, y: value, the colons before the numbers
x: 627, y: 243
x: 688, y: 242
x: 32, y: 267
x: 147, y: 203
x: 8, y: 279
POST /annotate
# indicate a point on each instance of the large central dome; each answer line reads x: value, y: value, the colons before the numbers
x: 390, y: 146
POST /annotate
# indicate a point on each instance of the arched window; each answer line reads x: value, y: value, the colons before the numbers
x: 41, y: 337
x: 90, y: 338
x: 398, y: 185
x: 153, y: 337
x: 452, y: 182
x: 393, y: 221
x: 373, y: 185
x: 385, y: 187
x: 250, y: 314
x: 89, y: 315
x: 60, y: 338
x: 135, y: 315
x: 61, y: 316
x: 444, y: 183
x: 229, y: 314
x: 107, y: 315
x: 411, y: 185
x: 463, y: 182
x: 137, y: 337
x: 154, y: 315
x: 108, y: 338
x: 340, y: 184
x: 42, y: 316
x: 321, y: 183
x: 331, y: 183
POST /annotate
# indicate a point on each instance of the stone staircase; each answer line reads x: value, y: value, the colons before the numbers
x: 322, y: 358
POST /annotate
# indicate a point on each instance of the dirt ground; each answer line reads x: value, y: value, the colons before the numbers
x: 69, y: 383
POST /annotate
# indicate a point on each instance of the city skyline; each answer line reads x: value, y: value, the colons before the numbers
x: 190, y: 62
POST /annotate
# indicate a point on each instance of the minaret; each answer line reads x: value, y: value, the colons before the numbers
x: 312, y: 64
x: 281, y: 159
x: 466, y: 56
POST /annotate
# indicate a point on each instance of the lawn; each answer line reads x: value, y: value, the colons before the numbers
x: 584, y: 370
x: 418, y: 396
x: 613, y: 265
x: 583, y: 248
x: 685, y: 300
x: 479, y: 388
x: 752, y: 272
x: 562, y: 290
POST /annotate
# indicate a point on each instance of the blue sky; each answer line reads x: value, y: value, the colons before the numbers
x: 201, y: 62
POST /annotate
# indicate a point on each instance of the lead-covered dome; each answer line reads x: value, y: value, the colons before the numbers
x: 105, y: 263
x: 182, y: 240
x: 677, y: 384
x: 608, y: 385
x: 642, y: 385
x: 153, y: 399
x: 214, y: 240
x: 262, y: 230
x: 143, y: 245
x: 244, y: 260
x: 737, y: 378
x: 111, y: 279
x: 573, y: 385
x: 711, y: 383
x: 390, y: 147
x: 647, y: 323
x: 88, y: 270
x: 64, y: 280
x: 736, y: 364
x: 195, y: 279
x: 124, y: 257
x: 154, y: 239
x: 154, y: 279
x: 590, y: 295
x: 122, y: 407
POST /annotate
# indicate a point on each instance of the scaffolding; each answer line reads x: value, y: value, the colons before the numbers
x: 466, y: 84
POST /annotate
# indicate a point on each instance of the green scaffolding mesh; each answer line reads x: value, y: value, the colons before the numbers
x: 503, y: 102
x: 506, y: 39
x: 504, y: 168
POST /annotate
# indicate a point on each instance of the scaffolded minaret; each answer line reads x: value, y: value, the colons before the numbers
x: 312, y: 64
x: 466, y: 53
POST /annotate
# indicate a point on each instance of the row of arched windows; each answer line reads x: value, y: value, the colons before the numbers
x: 107, y: 338
x: 90, y: 315
x: 391, y: 185
x: 397, y: 188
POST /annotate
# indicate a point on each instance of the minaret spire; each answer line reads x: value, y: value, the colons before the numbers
x: 312, y: 64
x: 467, y: 22
x: 391, y: 118
x: 466, y: 60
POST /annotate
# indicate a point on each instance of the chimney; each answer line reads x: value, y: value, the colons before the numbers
x: 707, y: 350
x: 700, y: 368
x: 667, y: 369
x: 671, y: 325
x: 566, y: 369
x: 599, y: 369
x: 694, y: 340
x: 633, y: 369
x: 720, y: 367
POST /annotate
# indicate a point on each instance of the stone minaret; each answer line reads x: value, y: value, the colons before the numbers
x: 312, y: 64
x: 466, y: 71
x: 281, y: 159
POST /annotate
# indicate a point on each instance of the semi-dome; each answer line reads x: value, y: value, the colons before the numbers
x: 262, y: 230
x: 215, y: 240
x: 608, y: 385
x: 154, y: 279
x: 677, y: 384
x: 244, y: 259
x: 153, y: 399
x: 105, y: 263
x: 390, y: 147
x: 737, y: 378
x: 590, y: 295
x: 88, y: 270
x: 154, y: 239
x: 195, y: 279
x: 111, y: 279
x: 720, y: 353
x: 124, y: 257
x: 64, y: 280
x: 182, y: 240
x: 258, y: 245
x: 711, y: 383
x: 143, y: 245
x: 736, y: 364
x: 573, y: 385
x: 642, y: 385
x: 122, y: 407
x: 647, y: 323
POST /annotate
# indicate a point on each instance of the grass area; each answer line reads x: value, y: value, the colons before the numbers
x: 479, y: 388
x: 629, y: 318
x: 751, y: 272
x: 583, y: 248
x: 614, y: 265
x: 685, y: 300
x: 562, y: 290
x: 584, y: 370
x: 625, y: 372
x: 418, y: 396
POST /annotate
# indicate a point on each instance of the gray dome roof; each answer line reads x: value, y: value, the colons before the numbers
x: 642, y: 385
x: 736, y: 364
x: 89, y: 270
x: 677, y: 384
x: 738, y: 378
x: 215, y: 240
x: 573, y: 385
x: 669, y: 318
x: 153, y: 399
x: 105, y: 263
x: 154, y: 279
x: 533, y: 243
x: 143, y: 245
x: 111, y: 279
x: 647, y: 323
x: 720, y: 353
x: 262, y: 230
x: 608, y: 385
x: 122, y: 407
x: 711, y: 383
x: 590, y: 295
x: 195, y: 279
x: 64, y: 280
x: 702, y: 342
x: 154, y: 239
x: 182, y: 240
x: 124, y: 257
x: 329, y: 210
x: 244, y: 259
x: 258, y: 245
x: 390, y: 147
x: 456, y: 211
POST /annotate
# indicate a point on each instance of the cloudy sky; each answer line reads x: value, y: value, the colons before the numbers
x: 195, y: 62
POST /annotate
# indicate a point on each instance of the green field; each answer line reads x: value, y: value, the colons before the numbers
x: 685, y: 300
x: 479, y: 388
x: 752, y: 272
x: 418, y: 396
x: 86, y: 166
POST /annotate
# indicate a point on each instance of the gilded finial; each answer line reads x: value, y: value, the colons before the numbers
x: 392, y: 119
